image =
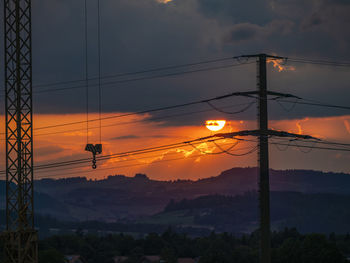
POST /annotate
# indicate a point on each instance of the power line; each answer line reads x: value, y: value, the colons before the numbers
x: 323, y: 142
x: 152, y: 70
x: 303, y: 60
x: 237, y: 58
x: 207, y: 139
x: 138, y: 159
x: 212, y: 153
x: 222, y: 151
x: 137, y: 121
x: 304, y: 102
x: 176, y: 115
x: 122, y: 166
x: 145, y: 151
x: 152, y: 110
x: 207, y: 101
x: 175, y: 159
x: 189, y: 104
x: 290, y: 108
x: 308, y: 102
x: 319, y: 62
x: 141, y: 78
x: 172, y: 146
x: 316, y: 147
x: 315, y: 104
x: 209, y: 61
x: 183, y: 105
x: 203, y: 62
x: 227, y: 151
x: 307, y: 146
x: 124, y: 154
x: 118, y: 155
x: 231, y: 112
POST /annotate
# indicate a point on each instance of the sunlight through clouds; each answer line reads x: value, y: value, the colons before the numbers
x: 279, y: 64
x: 164, y: 1
x: 137, y: 132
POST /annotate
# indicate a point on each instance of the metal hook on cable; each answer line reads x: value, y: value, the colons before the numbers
x: 95, y: 150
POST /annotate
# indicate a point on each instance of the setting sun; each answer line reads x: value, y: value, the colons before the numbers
x: 215, y: 125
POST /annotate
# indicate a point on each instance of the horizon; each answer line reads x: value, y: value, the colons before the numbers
x: 186, y: 180
x: 184, y: 162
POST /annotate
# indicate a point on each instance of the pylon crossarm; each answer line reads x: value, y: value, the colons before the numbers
x: 268, y: 133
x: 226, y: 135
x: 258, y: 55
x: 244, y: 94
x: 283, y: 95
x: 291, y: 135
x: 252, y: 93
x: 231, y: 135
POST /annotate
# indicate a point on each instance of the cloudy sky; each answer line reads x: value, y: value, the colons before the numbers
x: 138, y: 35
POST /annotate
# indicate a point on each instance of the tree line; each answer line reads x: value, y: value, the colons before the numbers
x: 288, y: 246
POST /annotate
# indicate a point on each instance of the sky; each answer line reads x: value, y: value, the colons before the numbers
x: 138, y: 35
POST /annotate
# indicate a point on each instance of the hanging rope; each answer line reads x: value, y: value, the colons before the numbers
x: 99, y: 71
x: 95, y: 149
x: 99, y: 68
x: 86, y: 73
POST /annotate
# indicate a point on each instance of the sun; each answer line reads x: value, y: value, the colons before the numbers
x: 215, y: 125
x: 164, y: 1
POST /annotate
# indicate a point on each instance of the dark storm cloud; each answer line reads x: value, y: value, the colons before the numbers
x: 327, y: 18
x: 245, y: 32
x: 312, y: 22
x: 332, y: 17
x: 249, y: 32
x: 143, y: 34
x: 295, y: 27
x: 237, y: 11
x: 135, y: 35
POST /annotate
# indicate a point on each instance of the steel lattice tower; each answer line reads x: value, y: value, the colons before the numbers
x: 20, y: 235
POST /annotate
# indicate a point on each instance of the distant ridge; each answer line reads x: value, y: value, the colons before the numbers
x: 120, y: 197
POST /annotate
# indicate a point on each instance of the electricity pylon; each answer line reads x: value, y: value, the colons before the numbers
x: 263, y: 133
x: 20, y: 236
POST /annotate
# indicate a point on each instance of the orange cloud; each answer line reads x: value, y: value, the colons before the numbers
x: 347, y: 125
x: 278, y: 64
x: 132, y: 133
x: 298, y: 124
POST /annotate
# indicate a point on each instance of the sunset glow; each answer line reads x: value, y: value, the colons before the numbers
x: 215, y: 125
x: 185, y: 162
x: 164, y: 1
x: 280, y: 65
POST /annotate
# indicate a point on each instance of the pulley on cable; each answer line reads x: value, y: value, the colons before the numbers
x: 95, y: 149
